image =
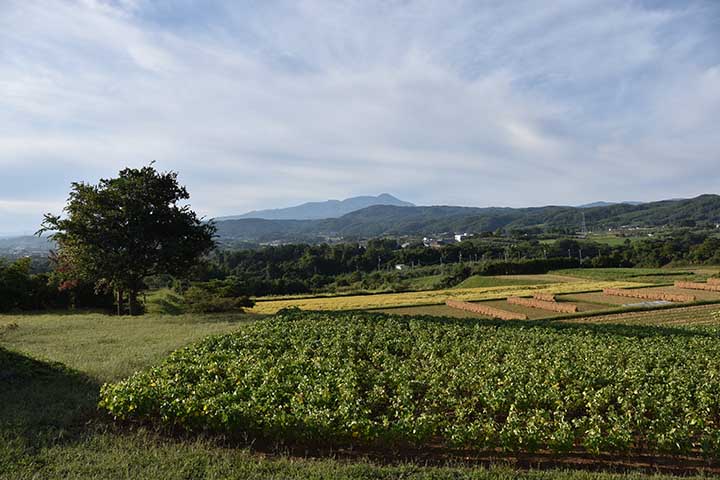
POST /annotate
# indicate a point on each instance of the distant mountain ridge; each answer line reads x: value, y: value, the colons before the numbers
x: 322, y: 210
x: 380, y: 220
x: 607, y: 204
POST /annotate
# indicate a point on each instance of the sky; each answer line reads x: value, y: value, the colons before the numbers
x: 265, y: 104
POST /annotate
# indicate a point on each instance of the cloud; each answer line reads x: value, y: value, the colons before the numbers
x: 264, y: 104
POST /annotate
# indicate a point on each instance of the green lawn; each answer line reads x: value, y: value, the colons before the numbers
x: 50, y: 426
x: 479, y: 281
x: 108, y: 348
x: 427, y: 282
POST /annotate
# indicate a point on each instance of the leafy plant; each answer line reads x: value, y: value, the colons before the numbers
x: 199, y: 300
x: 344, y: 378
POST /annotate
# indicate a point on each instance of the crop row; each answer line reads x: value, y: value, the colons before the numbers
x: 431, y: 297
x: 649, y: 295
x: 487, y: 310
x: 543, y: 304
x: 681, y: 316
x: 710, y: 287
x: 360, y: 378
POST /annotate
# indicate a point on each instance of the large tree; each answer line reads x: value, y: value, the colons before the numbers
x: 124, y: 229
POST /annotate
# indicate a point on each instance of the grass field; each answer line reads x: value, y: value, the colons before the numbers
x: 642, y: 275
x: 479, y: 281
x: 427, y: 282
x: 434, y: 297
x: 104, y: 347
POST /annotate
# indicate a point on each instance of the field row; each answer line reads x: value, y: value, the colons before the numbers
x: 587, y: 302
x: 433, y: 297
x: 681, y: 316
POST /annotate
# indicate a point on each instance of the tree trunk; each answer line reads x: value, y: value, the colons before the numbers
x: 120, y: 306
x: 132, y: 301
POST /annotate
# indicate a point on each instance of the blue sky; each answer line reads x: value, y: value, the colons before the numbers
x: 272, y: 103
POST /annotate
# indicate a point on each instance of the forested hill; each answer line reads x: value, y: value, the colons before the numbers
x: 391, y: 220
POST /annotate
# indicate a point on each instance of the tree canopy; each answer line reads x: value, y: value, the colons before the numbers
x: 124, y: 229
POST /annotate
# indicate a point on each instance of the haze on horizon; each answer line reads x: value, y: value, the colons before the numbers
x: 269, y: 104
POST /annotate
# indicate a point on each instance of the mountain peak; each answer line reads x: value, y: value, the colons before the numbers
x: 325, y: 209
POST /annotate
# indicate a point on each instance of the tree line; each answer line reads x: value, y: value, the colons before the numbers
x: 304, y: 268
x: 126, y: 234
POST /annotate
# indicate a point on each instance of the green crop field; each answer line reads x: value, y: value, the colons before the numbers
x: 372, y: 380
x: 50, y: 426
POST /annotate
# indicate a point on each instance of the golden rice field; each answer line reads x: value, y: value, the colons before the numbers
x: 433, y: 297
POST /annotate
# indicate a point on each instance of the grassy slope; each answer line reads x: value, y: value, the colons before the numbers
x: 108, y: 348
x: 643, y: 275
x: 478, y: 281
x: 49, y: 427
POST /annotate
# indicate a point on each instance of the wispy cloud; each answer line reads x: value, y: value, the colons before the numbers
x: 261, y: 104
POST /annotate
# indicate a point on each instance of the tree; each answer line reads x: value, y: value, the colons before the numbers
x: 124, y: 229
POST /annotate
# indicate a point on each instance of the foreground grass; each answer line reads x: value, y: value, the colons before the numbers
x: 50, y: 427
x: 108, y: 348
x: 143, y: 455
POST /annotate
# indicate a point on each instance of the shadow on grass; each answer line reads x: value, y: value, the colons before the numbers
x: 43, y: 403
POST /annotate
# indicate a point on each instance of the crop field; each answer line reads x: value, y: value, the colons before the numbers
x: 366, y: 379
x: 699, y: 294
x: 600, y: 298
x: 432, y: 297
x: 698, y: 315
x: 445, y: 311
x: 50, y: 428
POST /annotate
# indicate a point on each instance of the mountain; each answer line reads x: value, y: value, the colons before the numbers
x: 607, y: 204
x: 25, y: 245
x: 320, y: 210
x: 379, y: 220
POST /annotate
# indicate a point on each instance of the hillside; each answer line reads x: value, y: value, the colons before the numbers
x: 391, y: 220
x: 320, y: 210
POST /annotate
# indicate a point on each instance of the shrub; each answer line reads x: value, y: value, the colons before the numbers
x: 200, y: 300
